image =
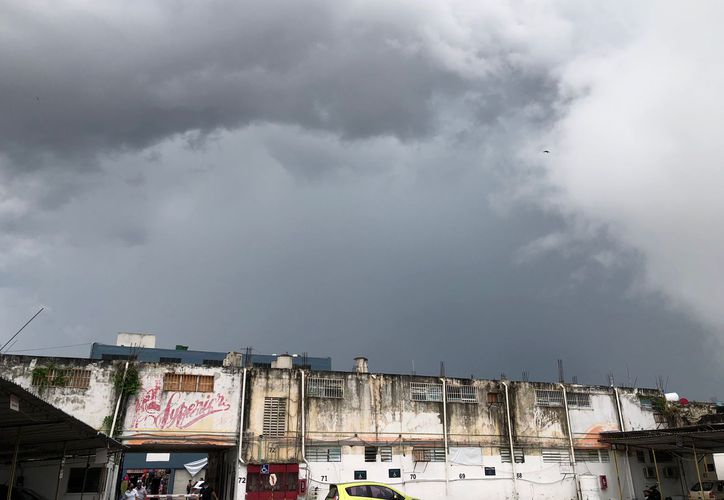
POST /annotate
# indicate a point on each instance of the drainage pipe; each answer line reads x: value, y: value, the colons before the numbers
x: 118, y: 402
x: 241, y: 416
x: 570, y: 443
x: 510, y: 441
x: 444, y: 431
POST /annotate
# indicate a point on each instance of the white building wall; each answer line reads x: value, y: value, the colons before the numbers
x: 155, y: 416
x: 377, y: 410
x: 90, y: 405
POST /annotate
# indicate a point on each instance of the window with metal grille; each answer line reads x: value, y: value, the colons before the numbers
x: 370, y: 453
x: 213, y: 362
x: 385, y: 453
x: 112, y: 357
x: 324, y: 454
x: 517, y: 451
x: 579, y: 400
x: 548, y: 398
x: 206, y: 383
x: 646, y: 403
x: 428, y: 454
x: 188, y: 383
x: 586, y: 455
x: 462, y: 394
x: 318, y: 387
x: 556, y: 456
x: 589, y: 455
x: 423, y: 391
x: 275, y: 417
x: 75, y: 378
x: 495, y: 398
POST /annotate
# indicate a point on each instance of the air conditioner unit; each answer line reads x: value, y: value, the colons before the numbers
x: 671, y: 472
x: 649, y: 472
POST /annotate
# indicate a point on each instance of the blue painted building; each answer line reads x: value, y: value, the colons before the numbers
x: 191, y: 357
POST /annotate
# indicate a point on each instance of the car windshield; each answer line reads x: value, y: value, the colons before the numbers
x: 707, y: 486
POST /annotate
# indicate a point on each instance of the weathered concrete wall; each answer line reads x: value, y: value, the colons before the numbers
x: 155, y: 416
x: 378, y: 410
x: 90, y: 405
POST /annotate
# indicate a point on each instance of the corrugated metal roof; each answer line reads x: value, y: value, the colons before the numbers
x: 43, y: 429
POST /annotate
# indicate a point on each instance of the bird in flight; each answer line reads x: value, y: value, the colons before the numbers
x: 546, y: 151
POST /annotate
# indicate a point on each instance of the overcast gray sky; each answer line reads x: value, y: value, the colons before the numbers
x: 369, y: 178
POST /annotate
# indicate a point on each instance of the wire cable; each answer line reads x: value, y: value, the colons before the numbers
x: 48, y: 348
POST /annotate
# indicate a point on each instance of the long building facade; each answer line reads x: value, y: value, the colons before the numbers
x: 286, y: 432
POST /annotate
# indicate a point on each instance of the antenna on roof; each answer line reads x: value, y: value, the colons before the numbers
x: 561, y: 377
x: 526, y: 376
x: 246, y: 362
x: 611, y: 379
x: 442, y: 368
x: 574, y: 379
x: 305, y: 360
x: 413, y: 367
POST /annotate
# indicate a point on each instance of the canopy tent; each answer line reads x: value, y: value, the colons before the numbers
x: 702, y: 438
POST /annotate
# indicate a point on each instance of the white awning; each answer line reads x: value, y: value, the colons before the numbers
x: 195, y: 467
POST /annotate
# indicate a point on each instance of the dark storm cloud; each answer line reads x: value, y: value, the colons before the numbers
x: 321, y: 177
x: 77, y: 82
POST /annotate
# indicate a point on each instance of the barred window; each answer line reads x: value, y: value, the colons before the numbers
x: 548, y: 398
x: 324, y: 454
x: 428, y: 454
x: 423, y: 391
x: 495, y: 398
x: 318, y: 387
x: 75, y: 378
x: 188, y: 383
x: 385, y: 453
x: 462, y: 394
x: 556, y: 456
x: 518, y: 453
x: 646, y: 403
x: 206, y: 383
x: 275, y: 417
x: 212, y: 362
x: 370, y: 453
x: 579, y: 400
x: 592, y: 455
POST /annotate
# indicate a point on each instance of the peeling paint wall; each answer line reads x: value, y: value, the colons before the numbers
x: 156, y: 416
x: 91, y: 405
x: 373, y: 423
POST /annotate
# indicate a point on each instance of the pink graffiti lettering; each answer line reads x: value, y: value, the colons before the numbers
x: 183, y: 415
x: 176, y: 413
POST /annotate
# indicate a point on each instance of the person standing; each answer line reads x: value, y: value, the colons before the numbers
x: 189, y: 486
x: 208, y: 493
x: 131, y: 493
x: 141, y: 490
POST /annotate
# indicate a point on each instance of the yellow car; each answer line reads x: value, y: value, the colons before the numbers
x: 345, y: 491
